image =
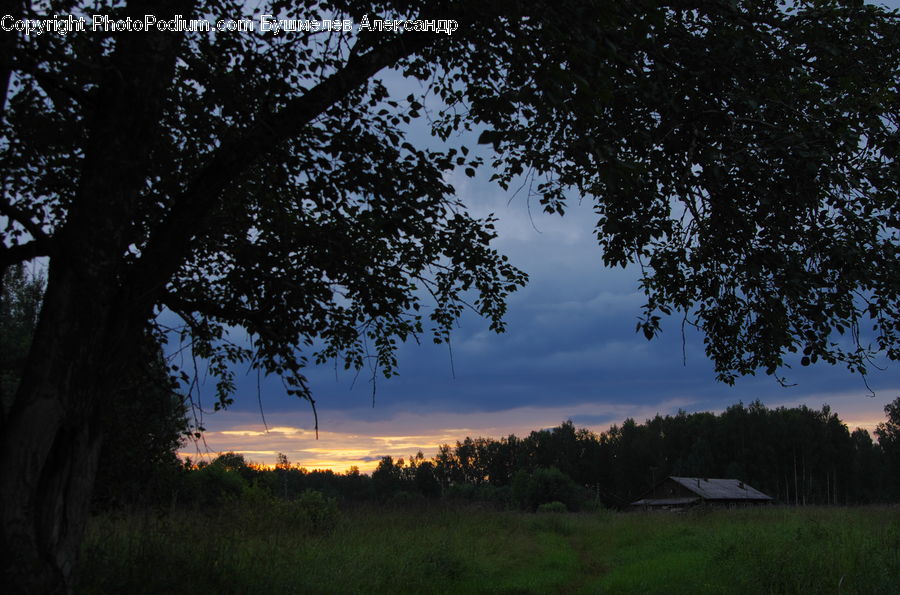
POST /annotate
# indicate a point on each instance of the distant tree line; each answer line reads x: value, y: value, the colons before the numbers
x: 799, y: 455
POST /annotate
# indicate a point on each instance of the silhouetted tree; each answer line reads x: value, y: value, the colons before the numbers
x: 387, y: 479
x: 138, y: 459
x: 217, y: 483
x: 21, y: 295
x: 425, y: 480
x: 798, y: 455
x: 866, y: 483
x: 888, y: 433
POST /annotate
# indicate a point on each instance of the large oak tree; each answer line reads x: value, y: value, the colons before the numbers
x: 743, y: 152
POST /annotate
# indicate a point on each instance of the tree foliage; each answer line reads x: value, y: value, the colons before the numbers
x: 20, y: 303
x: 334, y: 228
x: 139, y: 456
x: 743, y: 153
x: 545, y: 486
x: 888, y: 433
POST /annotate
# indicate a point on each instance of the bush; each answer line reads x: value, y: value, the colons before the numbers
x: 593, y: 505
x: 543, y: 486
x: 407, y: 501
x: 312, y: 511
x: 556, y: 506
x: 499, y: 496
x: 213, y: 485
x: 460, y: 491
x: 257, y: 495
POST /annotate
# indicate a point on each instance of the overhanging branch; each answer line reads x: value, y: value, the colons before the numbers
x: 22, y: 253
x: 232, y: 315
x: 22, y: 218
x: 235, y: 315
x: 190, y: 215
x: 57, y: 88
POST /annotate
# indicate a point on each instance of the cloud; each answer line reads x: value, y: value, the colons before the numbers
x: 345, y: 440
x: 570, y: 352
x: 349, y: 439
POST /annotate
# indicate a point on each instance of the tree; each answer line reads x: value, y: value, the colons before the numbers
x: 543, y: 486
x: 138, y: 460
x: 425, y: 480
x: 741, y: 152
x: 866, y: 468
x: 387, y: 478
x: 888, y: 433
x: 138, y: 455
x: 20, y: 302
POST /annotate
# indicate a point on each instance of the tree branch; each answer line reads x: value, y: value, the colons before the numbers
x: 170, y: 242
x: 22, y: 218
x: 232, y: 315
x: 22, y: 253
x: 55, y: 87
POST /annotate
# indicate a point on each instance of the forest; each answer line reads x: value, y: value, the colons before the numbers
x: 798, y: 455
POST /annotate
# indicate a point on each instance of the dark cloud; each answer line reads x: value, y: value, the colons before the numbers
x: 571, y: 340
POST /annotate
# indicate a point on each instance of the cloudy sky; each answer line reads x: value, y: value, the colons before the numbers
x: 570, y: 352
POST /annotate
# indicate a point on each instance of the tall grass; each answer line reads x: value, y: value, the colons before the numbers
x: 264, y: 548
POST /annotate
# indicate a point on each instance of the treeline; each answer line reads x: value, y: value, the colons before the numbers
x: 800, y: 456
x: 797, y: 455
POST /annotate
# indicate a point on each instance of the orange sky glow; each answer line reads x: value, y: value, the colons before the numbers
x: 344, y: 442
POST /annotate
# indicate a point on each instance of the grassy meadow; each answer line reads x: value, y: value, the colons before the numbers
x: 253, y: 548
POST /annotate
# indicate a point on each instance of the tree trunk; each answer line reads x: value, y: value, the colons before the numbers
x: 45, y: 508
x: 796, y: 485
x: 50, y: 442
x: 89, y: 329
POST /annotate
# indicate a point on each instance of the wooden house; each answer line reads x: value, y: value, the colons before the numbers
x: 684, y: 492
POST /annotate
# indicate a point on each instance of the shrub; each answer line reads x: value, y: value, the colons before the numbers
x: 593, y: 505
x: 256, y: 495
x: 407, y: 500
x: 555, y: 506
x: 545, y: 485
x: 461, y: 491
x: 313, y: 511
x: 213, y: 485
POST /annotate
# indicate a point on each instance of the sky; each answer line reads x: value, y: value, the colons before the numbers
x: 570, y: 352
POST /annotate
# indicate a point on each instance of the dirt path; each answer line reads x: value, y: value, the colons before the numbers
x: 590, y: 568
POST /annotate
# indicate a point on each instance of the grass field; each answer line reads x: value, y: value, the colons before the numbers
x: 262, y: 549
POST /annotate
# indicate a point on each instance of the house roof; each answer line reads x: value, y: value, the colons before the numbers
x: 665, y: 501
x: 720, y: 489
